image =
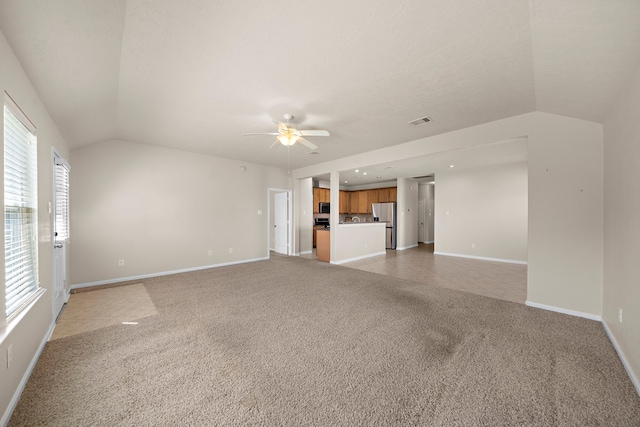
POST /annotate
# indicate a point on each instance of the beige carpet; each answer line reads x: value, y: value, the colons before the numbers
x: 293, y: 342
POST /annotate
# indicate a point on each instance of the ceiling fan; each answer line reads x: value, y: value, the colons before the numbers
x: 288, y: 135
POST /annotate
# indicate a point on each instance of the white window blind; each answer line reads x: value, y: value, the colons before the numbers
x: 20, y: 209
x: 61, y: 226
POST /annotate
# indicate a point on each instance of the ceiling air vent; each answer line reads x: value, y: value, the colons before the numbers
x: 420, y: 121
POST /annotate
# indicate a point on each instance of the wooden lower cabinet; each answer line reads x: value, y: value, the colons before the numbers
x: 323, y: 248
x: 315, y: 229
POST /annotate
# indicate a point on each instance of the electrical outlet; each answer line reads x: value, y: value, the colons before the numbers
x: 210, y: 252
x: 619, y: 314
x: 230, y: 250
x: 120, y: 263
x: 9, y: 355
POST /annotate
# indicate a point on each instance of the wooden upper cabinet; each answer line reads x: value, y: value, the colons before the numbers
x: 374, y: 196
x: 383, y: 195
x: 355, y: 202
x: 393, y: 194
x: 325, y: 195
x: 363, y: 201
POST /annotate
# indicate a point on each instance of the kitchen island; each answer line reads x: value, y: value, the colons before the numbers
x: 357, y: 240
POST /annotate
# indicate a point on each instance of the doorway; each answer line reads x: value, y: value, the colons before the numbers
x: 280, y: 224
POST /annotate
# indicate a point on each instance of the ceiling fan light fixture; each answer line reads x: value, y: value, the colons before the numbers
x: 288, y: 139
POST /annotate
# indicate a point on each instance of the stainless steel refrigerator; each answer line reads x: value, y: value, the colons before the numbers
x: 386, y: 212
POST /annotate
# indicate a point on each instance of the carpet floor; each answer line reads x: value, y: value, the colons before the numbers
x: 294, y: 342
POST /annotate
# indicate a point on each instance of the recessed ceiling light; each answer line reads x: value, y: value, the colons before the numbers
x: 364, y: 173
x: 451, y: 166
x: 357, y: 170
x: 346, y: 182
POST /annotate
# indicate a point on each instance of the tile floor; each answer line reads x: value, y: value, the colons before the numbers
x: 95, y: 309
x: 493, y: 279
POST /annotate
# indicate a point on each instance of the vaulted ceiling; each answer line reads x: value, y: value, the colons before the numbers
x: 196, y: 74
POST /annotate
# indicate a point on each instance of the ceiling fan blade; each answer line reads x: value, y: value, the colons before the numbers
x: 308, y: 144
x: 282, y: 127
x: 314, y: 132
x: 274, y: 143
x: 270, y: 133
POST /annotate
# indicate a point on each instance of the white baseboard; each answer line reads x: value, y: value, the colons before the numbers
x: 23, y: 382
x: 164, y: 273
x: 404, y: 248
x: 343, y: 261
x: 483, y: 258
x: 305, y: 252
x: 625, y: 363
x: 429, y: 242
x: 564, y: 311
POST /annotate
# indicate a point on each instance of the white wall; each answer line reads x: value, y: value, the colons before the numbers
x: 565, y: 214
x: 407, y: 213
x: 27, y: 333
x: 163, y: 210
x: 483, y: 212
x: 565, y: 200
x: 304, y: 198
x: 622, y: 224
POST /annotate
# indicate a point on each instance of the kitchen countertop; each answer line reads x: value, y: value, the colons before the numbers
x: 362, y: 223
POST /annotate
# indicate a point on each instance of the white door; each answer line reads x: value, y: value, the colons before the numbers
x: 60, y: 211
x: 281, y: 219
x: 422, y: 220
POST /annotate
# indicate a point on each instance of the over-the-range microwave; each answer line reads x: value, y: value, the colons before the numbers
x: 324, y: 208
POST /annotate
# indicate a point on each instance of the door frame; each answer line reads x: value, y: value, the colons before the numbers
x: 271, y: 192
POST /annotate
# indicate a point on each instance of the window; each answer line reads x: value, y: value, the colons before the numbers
x: 61, y: 225
x: 20, y: 208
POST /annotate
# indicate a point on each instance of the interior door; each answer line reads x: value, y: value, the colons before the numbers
x: 422, y: 220
x: 281, y: 223
x: 60, y: 211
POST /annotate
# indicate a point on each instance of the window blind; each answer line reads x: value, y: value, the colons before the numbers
x: 20, y: 211
x: 61, y: 226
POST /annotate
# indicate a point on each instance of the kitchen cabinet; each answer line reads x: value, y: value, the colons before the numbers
x: 363, y: 201
x: 320, y: 195
x: 373, y: 198
x: 353, y: 202
x: 315, y: 232
x: 383, y: 195
x: 393, y: 194
x: 325, y: 195
x: 388, y: 194
x: 323, y: 251
x: 344, y: 202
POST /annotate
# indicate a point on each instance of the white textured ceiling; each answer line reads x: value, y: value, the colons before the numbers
x: 196, y: 74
